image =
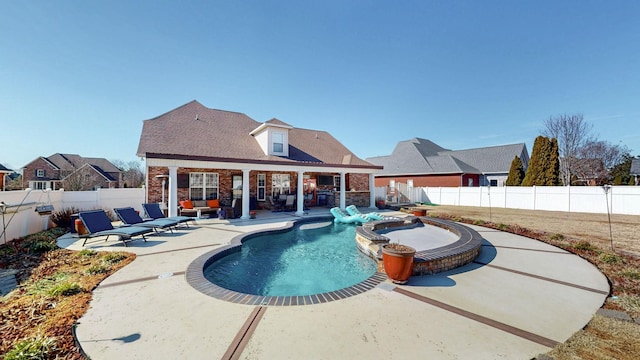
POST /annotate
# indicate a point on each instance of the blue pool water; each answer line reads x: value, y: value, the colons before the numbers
x: 309, y: 259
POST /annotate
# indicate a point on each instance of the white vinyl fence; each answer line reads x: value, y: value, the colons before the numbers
x: 588, y: 199
x: 20, y: 218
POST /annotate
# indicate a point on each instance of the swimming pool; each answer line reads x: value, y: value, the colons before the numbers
x: 310, y: 258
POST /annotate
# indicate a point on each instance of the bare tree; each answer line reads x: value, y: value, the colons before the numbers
x: 132, y: 173
x: 572, y: 132
x: 596, y: 160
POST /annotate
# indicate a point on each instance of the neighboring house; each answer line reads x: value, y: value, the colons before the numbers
x: 420, y: 163
x: 635, y: 170
x: 215, y: 154
x: 71, y: 172
x: 4, y: 174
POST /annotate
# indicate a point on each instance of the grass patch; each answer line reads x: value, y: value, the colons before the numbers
x: 114, y: 257
x: 87, y: 253
x: 97, y: 269
x: 609, y: 258
x: 584, y: 246
x: 64, y: 289
x: 556, y: 237
x: 631, y: 273
x: 38, y: 347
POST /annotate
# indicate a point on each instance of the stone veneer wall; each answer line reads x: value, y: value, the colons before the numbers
x: 357, y: 198
x: 425, y: 262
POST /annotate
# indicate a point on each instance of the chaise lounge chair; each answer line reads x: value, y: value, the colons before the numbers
x: 154, y: 212
x: 353, y: 211
x: 98, y: 223
x: 130, y: 217
x: 342, y: 217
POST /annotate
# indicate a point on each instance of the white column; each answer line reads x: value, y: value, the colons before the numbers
x: 245, y: 194
x: 372, y: 192
x: 343, y: 195
x: 300, y: 194
x: 173, y: 191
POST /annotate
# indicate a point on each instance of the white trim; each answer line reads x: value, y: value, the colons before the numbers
x: 294, y: 167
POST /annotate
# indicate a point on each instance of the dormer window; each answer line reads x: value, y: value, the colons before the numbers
x: 273, y: 137
x: 40, y: 173
x: 278, y: 142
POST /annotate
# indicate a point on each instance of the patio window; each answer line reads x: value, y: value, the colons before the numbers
x: 203, y: 186
x: 278, y: 142
x: 262, y: 186
x: 336, y: 182
x: 280, y: 184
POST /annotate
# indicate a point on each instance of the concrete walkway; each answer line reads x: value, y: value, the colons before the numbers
x: 519, y: 299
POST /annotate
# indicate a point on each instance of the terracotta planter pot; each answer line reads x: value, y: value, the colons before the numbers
x: 80, y: 229
x: 398, y: 262
x: 419, y: 212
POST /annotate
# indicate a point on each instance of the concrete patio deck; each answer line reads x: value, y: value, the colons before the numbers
x: 517, y: 300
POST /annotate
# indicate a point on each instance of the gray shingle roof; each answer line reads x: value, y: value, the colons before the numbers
x: 195, y: 131
x: 4, y: 169
x: 421, y: 156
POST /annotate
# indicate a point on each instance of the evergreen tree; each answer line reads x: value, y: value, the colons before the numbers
x: 544, y: 166
x: 553, y: 166
x: 516, y: 173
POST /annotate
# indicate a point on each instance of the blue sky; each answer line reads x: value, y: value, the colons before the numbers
x: 81, y: 76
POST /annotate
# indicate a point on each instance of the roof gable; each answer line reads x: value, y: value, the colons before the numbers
x: 421, y: 156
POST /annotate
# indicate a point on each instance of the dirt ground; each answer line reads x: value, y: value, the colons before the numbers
x: 625, y: 229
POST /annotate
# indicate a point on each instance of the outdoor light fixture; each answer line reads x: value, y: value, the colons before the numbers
x: 164, y: 178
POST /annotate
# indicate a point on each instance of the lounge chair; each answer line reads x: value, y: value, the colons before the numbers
x: 342, y: 217
x: 153, y: 211
x: 98, y: 223
x: 353, y: 210
x: 130, y: 217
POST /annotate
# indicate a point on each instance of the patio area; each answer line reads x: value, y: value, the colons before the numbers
x: 517, y: 300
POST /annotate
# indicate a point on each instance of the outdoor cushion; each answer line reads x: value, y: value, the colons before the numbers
x: 213, y: 203
x: 186, y: 204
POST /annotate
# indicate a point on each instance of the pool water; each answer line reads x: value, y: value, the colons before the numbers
x: 309, y: 259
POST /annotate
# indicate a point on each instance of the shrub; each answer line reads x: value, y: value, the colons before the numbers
x: 87, y: 253
x: 97, y: 269
x: 609, y: 258
x: 62, y: 218
x: 584, y: 245
x: 42, y: 246
x: 556, y: 237
x: 64, y: 289
x: 631, y: 273
x: 478, y: 222
x: 502, y: 227
x: 114, y: 257
x: 37, y: 347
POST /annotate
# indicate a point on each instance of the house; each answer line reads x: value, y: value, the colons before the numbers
x: 71, y: 172
x: 420, y: 162
x: 4, y: 174
x: 635, y: 171
x: 207, y: 154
